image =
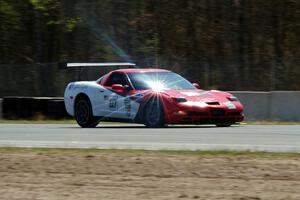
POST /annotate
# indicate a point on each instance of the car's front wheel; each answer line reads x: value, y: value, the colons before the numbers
x: 153, y: 114
x: 84, y: 113
x: 224, y: 125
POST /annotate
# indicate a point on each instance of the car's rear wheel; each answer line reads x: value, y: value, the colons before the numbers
x: 84, y: 113
x: 153, y: 114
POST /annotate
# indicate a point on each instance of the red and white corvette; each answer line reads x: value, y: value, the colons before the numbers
x: 153, y: 97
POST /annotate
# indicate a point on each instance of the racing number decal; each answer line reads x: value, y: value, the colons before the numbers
x: 113, y: 103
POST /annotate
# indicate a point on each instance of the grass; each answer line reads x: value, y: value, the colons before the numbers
x: 141, y: 152
x: 63, y: 121
x: 270, y: 123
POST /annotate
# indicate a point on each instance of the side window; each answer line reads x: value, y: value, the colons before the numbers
x: 116, y: 78
x: 99, y: 80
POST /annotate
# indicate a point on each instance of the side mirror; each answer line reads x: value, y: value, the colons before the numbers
x: 196, y: 85
x: 118, y: 88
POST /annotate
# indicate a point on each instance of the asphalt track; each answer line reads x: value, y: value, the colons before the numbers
x: 276, y: 138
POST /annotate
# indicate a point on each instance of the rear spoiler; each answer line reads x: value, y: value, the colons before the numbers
x: 99, y: 64
x: 82, y: 65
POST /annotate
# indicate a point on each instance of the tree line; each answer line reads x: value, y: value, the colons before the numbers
x: 222, y: 44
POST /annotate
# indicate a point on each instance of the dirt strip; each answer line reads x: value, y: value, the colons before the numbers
x: 129, y: 176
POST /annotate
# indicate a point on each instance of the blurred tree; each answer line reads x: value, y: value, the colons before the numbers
x: 228, y: 44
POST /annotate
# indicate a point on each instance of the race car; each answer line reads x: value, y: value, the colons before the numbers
x: 153, y: 97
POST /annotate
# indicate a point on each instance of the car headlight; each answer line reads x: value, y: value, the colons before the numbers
x: 200, y: 104
x: 232, y: 98
x: 180, y: 99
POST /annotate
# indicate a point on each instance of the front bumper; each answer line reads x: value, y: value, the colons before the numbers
x: 207, y: 115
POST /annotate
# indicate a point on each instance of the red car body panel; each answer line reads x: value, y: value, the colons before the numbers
x: 202, y: 106
x: 192, y: 112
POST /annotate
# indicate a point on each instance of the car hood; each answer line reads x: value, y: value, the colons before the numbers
x: 199, y: 95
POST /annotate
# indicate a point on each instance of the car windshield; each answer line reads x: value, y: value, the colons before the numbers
x: 159, y: 81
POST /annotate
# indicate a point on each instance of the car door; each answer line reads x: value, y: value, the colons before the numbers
x: 117, y: 105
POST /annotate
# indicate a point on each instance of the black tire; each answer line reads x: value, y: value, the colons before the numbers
x: 153, y: 114
x: 84, y: 113
x: 224, y: 125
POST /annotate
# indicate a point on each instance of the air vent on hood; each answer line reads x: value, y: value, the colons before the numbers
x: 213, y: 103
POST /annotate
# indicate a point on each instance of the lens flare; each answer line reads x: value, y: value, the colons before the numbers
x: 156, y: 86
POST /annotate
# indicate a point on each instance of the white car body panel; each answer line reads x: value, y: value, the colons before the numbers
x: 105, y: 103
